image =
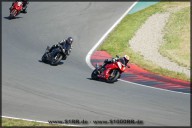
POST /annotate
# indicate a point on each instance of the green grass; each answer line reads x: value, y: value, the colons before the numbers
x: 117, y: 40
x: 176, y: 45
x: 177, y: 42
x: 16, y: 122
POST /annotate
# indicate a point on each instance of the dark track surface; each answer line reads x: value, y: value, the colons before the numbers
x: 34, y: 90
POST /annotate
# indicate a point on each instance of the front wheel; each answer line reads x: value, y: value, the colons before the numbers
x: 56, y: 59
x: 13, y: 14
x: 114, y: 75
x: 94, y: 75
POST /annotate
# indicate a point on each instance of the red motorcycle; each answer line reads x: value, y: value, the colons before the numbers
x: 111, y: 72
x: 16, y: 9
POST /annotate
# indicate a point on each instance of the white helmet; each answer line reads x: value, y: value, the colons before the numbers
x: 126, y: 57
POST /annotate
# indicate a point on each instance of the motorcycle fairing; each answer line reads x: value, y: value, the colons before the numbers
x: 18, y: 5
x: 120, y: 66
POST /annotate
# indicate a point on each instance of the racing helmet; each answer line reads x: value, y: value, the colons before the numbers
x: 70, y: 40
x: 126, y: 58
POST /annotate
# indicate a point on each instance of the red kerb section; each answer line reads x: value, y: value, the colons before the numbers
x: 142, y: 74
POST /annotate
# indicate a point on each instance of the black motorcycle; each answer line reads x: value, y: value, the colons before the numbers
x: 54, y: 56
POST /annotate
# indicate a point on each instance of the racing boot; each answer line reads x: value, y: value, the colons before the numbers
x: 24, y: 11
x: 64, y: 58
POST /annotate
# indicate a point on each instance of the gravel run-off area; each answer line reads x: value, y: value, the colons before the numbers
x: 148, y: 39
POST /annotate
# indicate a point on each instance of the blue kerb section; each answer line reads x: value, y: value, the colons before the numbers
x: 142, y: 5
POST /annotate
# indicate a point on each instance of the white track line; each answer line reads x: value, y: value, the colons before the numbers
x: 105, y: 35
x: 88, y: 60
x: 24, y: 119
x: 152, y: 87
x: 8, y: 117
x: 92, y: 67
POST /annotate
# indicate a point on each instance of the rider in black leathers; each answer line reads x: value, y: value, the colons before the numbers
x: 124, y: 60
x: 25, y: 2
x: 66, y: 45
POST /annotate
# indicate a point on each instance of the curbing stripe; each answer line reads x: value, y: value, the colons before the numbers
x: 105, y: 35
x: 153, y: 87
x: 88, y: 60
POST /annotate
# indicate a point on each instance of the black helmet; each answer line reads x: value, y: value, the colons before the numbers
x: 69, y: 40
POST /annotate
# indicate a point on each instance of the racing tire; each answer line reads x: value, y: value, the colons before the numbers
x: 94, y: 75
x: 114, y: 75
x: 11, y: 16
x: 56, y: 59
x: 44, y: 58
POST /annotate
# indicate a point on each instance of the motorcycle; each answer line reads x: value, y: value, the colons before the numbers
x: 16, y: 9
x: 55, y: 56
x: 110, y: 73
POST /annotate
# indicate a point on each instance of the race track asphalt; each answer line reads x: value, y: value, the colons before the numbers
x: 38, y: 91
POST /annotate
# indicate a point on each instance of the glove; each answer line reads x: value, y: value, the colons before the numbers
x: 106, y: 60
x: 113, y: 60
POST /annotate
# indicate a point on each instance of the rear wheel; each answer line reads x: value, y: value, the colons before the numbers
x: 44, y: 58
x: 114, y: 75
x: 94, y: 75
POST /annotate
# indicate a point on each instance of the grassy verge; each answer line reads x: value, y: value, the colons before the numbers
x: 117, y: 40
x: 16, y: 122
x: 176, y: 46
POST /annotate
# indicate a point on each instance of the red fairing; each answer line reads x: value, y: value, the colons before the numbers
x: 116, y: 65
x: 121, y: 66
x: 18, y: 6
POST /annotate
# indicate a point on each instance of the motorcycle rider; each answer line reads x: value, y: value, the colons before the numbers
x: 25, y: 2
x: 124, y: 60
x: 66, y: 45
